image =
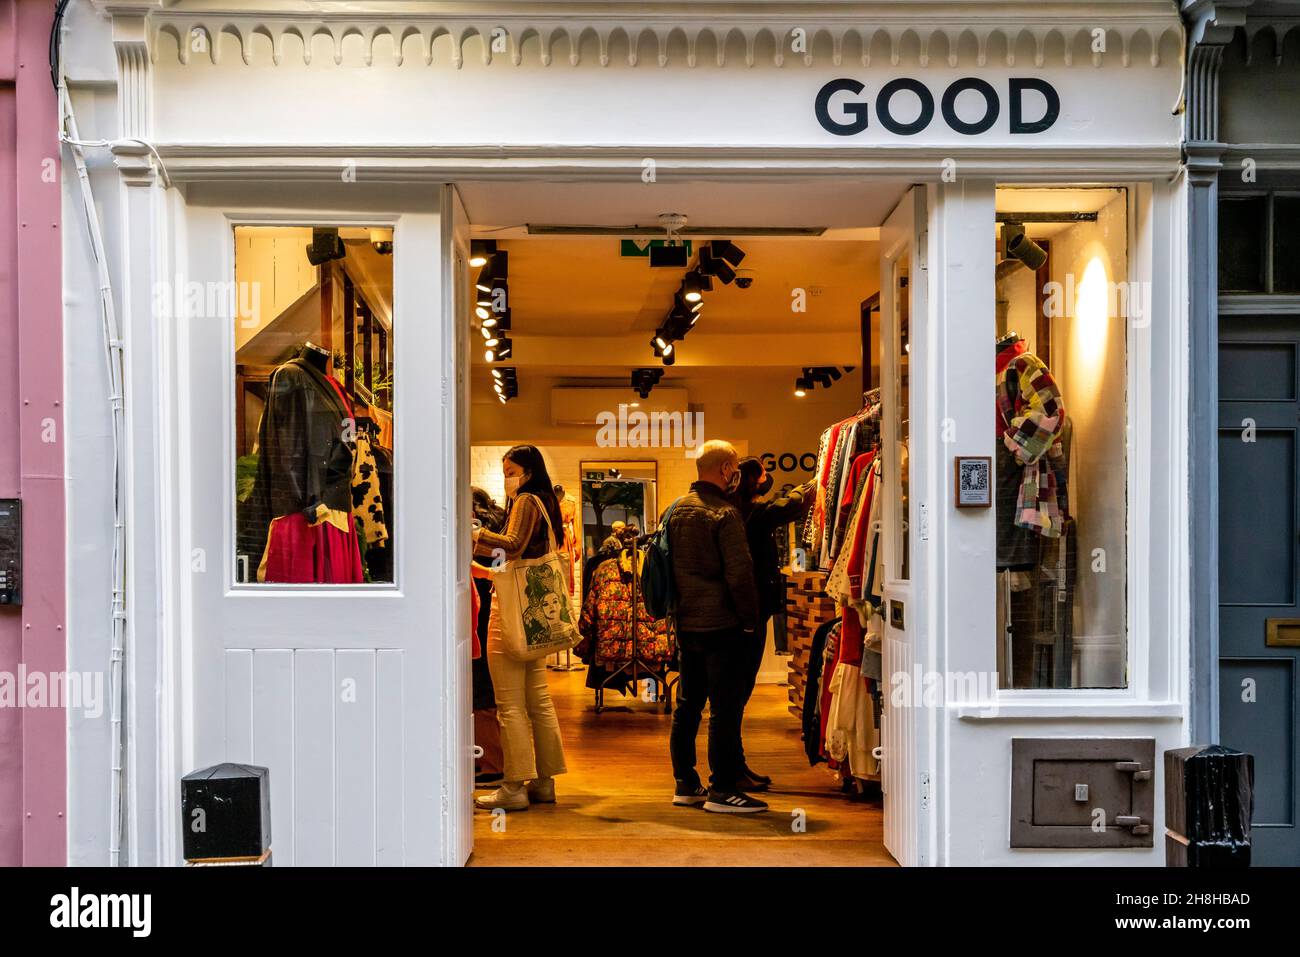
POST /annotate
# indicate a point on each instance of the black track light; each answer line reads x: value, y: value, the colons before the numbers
x: 480, y: 250
x: 495, y: 272
x: 669, y: 358
x: 726, y: 249
x: 692, y: 287
x: 325, y: 246
x: 713, y: 265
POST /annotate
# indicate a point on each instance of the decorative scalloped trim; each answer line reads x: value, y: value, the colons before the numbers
x: 1275, y: 33
x: 749, y: 43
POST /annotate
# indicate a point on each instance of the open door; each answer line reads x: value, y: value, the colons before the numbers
x: 458, y: 751
x: 333, y: 679
x: 902, y: 376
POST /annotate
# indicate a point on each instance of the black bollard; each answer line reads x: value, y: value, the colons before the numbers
x: 1209, y: 798
x: 226, y: 815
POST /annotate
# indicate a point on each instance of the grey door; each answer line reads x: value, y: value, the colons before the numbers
x: 1259, y: 542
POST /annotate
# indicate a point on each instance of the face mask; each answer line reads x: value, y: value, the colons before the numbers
x: 512, y: 485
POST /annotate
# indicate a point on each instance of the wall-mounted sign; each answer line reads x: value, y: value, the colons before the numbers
x: 843, y: 109
x: 973, y: 481
x: 640, y: 248
x: 789, y: 461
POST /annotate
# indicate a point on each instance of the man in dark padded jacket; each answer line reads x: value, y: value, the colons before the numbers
x: 717, y: 612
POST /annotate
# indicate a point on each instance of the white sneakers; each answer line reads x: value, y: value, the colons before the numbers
x: 515, y: 796
x: 542, y: 791
x: 511, y: 796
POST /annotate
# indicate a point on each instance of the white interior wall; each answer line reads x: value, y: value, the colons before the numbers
x: 1089, y: 362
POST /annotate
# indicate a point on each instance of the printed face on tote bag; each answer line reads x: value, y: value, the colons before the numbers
x: 547, y: 617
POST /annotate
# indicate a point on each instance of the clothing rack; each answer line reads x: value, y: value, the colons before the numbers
x: 636, y: 666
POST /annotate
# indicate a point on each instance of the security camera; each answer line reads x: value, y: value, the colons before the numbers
x: 744, y: 278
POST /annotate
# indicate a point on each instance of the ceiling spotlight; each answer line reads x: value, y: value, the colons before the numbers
x: 799, y: 390
x: 692, y: 287
x: 726, y: 249
x: 669, y: 358
x: 497, y: 350
x: 482, y: 313
x: 500, y: 389
x: 495, y: 272
x: 496, y: 373
x: 325, y: 245
x: 712, y: 265
x: 1019, y: 246
x: 480, y: 250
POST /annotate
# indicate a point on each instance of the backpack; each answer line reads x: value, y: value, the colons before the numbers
x: 658, y: 586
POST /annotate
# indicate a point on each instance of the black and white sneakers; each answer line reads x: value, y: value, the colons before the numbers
x: 736, y: 803
x: 689, y: 796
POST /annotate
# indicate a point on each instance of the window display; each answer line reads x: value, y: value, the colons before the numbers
x: 1060, y: 497
x: 313, y: 402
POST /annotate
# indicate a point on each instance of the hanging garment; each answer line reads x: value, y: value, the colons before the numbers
x: 299, y: 552
x: 379, y: 557
x: 606, y: 621
x: 812, y: 740
x: 367, y: 501
x: 384, y: 420
x: 304, y: 467
x: 1031, y: 416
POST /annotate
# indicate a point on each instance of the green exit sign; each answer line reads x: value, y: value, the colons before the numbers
x: 642, y: 247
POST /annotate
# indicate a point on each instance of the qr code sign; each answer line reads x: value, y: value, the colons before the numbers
x: 974, y: 480
x: 974, y: 477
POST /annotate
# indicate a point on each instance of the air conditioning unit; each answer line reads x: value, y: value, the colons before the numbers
x: 573, y: 405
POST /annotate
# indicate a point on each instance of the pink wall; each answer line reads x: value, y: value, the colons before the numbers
x: 33, y: 765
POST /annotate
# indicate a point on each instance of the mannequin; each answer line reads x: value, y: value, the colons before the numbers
x: 298, y: 518
x: 319, y: 358
x: 1032, y: 515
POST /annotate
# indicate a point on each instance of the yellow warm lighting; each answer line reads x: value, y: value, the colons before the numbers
x: 1092, y: 313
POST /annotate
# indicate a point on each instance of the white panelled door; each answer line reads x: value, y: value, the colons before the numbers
x: 343, y: 692
x: 902, y: 381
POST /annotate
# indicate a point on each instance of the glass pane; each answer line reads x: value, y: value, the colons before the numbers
x: 1063, y: 303
x: 1243, y: 221
x: 1286, y: 244
x: 313, y: 404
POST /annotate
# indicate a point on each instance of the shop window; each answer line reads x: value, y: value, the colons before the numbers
x: 1064, y: 304
x: 1243, y: 226
x: 1286, y: 244
x: 313, y: 395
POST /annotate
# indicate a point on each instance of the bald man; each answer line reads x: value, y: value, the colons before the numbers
x: 717, y: 613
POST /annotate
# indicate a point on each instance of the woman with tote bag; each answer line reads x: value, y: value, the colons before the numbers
x: 530, y: 619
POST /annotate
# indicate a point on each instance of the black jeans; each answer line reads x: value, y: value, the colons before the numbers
x: 754, y: 646
x: 713, y: 669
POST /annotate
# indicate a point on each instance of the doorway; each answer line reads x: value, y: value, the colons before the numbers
x: 588, y: 343
x: 1259, y: 610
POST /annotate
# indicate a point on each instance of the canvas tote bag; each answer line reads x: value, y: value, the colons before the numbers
x: 534, y: 608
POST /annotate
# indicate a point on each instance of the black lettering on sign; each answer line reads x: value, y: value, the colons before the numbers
x: 852, y: 113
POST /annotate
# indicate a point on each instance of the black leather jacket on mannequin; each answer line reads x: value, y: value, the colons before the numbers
x: 304, y: 459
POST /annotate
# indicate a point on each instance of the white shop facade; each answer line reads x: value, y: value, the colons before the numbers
x: 960, y: 150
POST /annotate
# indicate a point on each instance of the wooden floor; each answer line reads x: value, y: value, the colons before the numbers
x: 615, y: 805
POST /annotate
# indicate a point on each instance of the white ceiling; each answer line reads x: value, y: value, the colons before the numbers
x: 833, y: 204
x: 584, y: 287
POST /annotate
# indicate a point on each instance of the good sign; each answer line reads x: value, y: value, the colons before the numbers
x: 847, y: 115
